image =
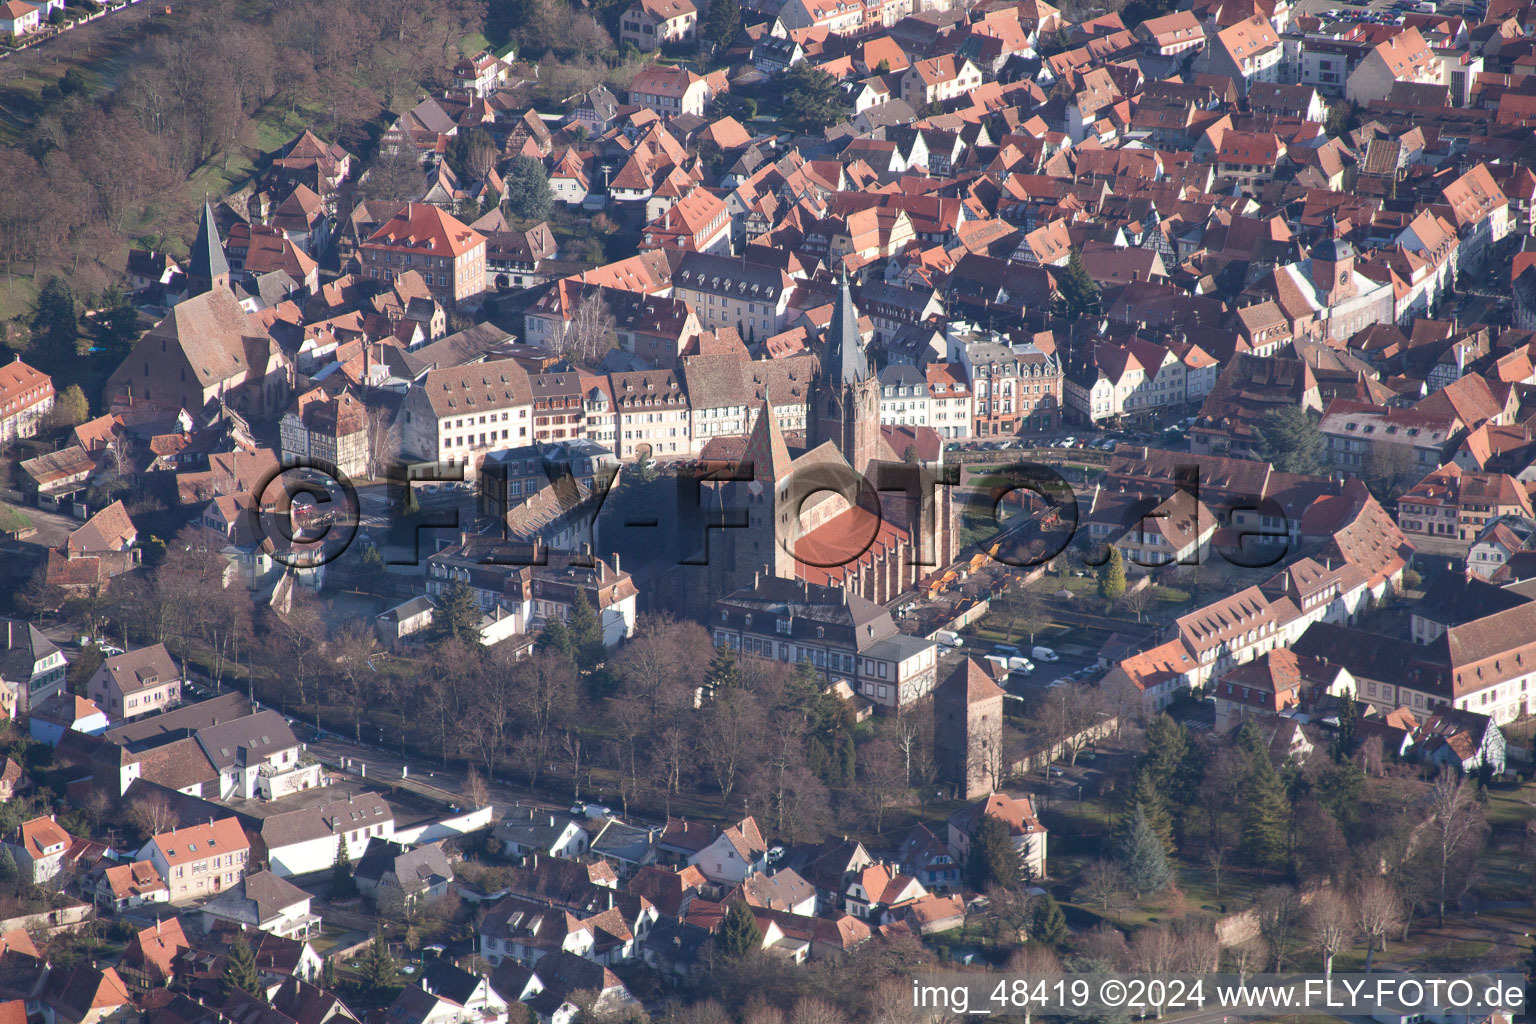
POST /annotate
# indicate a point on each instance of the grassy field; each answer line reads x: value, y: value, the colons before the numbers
x: 12, y: 519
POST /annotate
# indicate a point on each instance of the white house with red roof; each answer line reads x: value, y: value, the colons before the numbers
x: 737, y: 853
x: 1018, y: 813
x: 38, y: 848
x: 649, y: 24
x: 18, y: 19
x: 26, y: 395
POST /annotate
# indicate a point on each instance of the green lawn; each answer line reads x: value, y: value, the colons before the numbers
x: 17, y: 293
x: 12, y: 519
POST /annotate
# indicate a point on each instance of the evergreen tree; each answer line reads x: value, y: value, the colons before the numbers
x: 1143, y: 857
x: 1167, y: 747
x: 379, y: 971
x: 739, y: 933
x: 1265, y: 813
x: 1050, y: 924
x: 1112, y: 577
x: 809, y: 99
x: 527, y: 193
x: 1147, y: 798
x: 240, y: 974
x: 8, y: 873
x: 1076, y: 288
x: 846, y: 759
x: 586, y: 635
x: 1289, y: 440
x: 723, y: 673
x: 722, y: 22
x: 458, y: 614
x: 994, y: 859
x: 119, y: 328
x: 55, y: 328
x: 556, y: 639
x: 1344, y: 742
x: 343, y: 885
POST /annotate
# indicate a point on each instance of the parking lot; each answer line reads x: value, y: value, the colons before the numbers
x: 1386, y: 11
x: 1086, y: 438
x: 1071, y: 664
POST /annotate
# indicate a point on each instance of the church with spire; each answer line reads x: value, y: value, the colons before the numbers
x: 208, y: 355
x: 814, y: 513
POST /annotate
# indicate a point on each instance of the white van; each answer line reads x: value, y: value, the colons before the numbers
x: 1023, y: 665
x: 999, y: 662
x: 950, y: 637
x: 1043, y: 654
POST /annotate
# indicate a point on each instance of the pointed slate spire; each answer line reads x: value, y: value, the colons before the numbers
x: 766, y: 449
x: 845, y: 349
x: 207, y: 262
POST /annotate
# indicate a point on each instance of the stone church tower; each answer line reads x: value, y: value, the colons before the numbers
x: 968, y: 730
x: 758, y: 548
x: 207, y: 266
x: 844, y: 396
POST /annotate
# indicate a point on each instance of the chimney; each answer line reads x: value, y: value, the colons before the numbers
x: 615, y: 561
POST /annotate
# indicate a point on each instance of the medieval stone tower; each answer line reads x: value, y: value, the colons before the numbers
x: 844, y: 395
x: 968, y: 730
x: 759, y: 548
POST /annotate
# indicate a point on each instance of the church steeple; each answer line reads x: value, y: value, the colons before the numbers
x: 846, y: 358
x: 207, y: 265
x: 845, y: 395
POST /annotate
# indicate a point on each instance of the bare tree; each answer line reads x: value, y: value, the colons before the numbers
x: 1155, y: 950
x: 152, y: 814
x: 1450, y: 840
x: 354, y: 649
x: 383, y: 440
x: 1330, y: 924
x: 547, y: 691
x: 1216, y: 851
x: 985, y: 757
x: 760, y: 1011
x: 1138, y: 599
x: 396, y: 175
x: 1378, y: 909
x: 1032, y: 959
x: 882, y: 777
x: 476, y: 793
x: 815, y: 1010
x: 727, y: 734
x: 1012, y: 908
x: 1199, y: 948
x: 911, y: 731
x: 1103, y: 882
x: 293, y: 641
x: 1279, y: 909
x: 573, y: 746
x: 591, y: 331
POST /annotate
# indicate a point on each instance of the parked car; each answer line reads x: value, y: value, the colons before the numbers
x: 950, y: 637
x: 1043, y: 654
x: 1023, y: 665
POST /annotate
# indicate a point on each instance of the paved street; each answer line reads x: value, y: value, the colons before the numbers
x: 433, y: 780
